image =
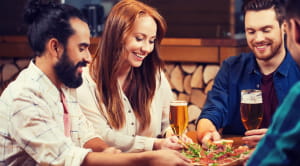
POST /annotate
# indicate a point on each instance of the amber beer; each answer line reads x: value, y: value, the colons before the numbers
x: 178, y: 116
x: 251, y: 108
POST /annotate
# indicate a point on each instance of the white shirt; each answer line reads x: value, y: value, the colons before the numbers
x: 128, y: 138
x: 32, y: 127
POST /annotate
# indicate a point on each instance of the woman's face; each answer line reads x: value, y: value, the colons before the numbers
x: 140, y: 42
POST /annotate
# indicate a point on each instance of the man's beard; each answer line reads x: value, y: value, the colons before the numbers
x: 66, y: 71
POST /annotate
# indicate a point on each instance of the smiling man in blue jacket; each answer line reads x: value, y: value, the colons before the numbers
x: 269, y: 67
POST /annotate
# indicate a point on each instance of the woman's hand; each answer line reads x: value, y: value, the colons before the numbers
x: 172, y: 142
x: 112, y: 150
x: 167, y: 143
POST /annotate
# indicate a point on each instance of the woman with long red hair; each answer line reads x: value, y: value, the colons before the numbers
x: 126, y: 94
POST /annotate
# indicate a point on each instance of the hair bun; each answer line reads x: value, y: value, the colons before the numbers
x: 35, y: 8
x: 32, y: 10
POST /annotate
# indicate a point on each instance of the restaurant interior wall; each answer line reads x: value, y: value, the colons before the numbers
x: 189, y: 21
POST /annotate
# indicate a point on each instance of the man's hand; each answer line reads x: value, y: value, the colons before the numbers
x: 207, y: 132
x: 210, y: 136
x: 252, y: 137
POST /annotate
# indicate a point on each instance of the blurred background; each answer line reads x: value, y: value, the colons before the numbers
x: 200, y: 35
x: 185, y: 18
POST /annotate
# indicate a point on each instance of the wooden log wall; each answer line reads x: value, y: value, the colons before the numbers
x: 191, y: 64
x: 191, y: 82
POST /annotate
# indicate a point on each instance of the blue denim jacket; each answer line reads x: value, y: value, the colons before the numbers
x: 238, y: 73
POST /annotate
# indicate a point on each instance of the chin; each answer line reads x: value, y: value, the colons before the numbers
x: 137, y: 64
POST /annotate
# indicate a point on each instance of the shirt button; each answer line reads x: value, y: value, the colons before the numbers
x: 129, y: 111
x: 132, y: 123
x: 133, y: 135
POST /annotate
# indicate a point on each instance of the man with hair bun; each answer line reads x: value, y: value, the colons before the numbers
x: 41, y: 122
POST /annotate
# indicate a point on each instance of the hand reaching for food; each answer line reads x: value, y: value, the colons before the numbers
x: 172, y: 142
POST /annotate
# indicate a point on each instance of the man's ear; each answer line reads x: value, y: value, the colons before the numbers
x: 284, y: 26
x: 297, y: 31
x: 53, y: 47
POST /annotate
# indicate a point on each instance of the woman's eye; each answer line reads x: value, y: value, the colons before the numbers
x: 138, y: 39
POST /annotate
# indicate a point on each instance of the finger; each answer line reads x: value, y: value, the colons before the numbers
x: 186, y: 139
x: 207, y: 138
x: 118, y: 151
x: 182, y: 157
x: 112, y: 150
x: 174, y: 145
x: 216, y: 136
x: 173, y: 139
x: 252, y: 138
x: 250, y: 141
x: 256, y: 132
x: 252, y: 144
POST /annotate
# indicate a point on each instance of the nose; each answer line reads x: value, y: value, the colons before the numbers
x: 88, y: 56
x: 259, y: 37
x: 147, y: 47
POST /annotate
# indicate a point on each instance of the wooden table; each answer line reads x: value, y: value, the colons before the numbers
x: 237, y: 139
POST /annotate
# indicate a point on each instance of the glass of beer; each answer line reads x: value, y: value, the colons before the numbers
x: 251, y: 108
x: 178, y: 116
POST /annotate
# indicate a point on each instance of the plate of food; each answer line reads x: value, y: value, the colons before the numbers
x: 218, y: 153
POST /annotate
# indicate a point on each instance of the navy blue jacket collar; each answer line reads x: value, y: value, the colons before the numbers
x: 282, y: 69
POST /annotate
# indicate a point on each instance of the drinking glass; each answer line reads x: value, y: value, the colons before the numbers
x: 178, y: 116
x: 251, y: 108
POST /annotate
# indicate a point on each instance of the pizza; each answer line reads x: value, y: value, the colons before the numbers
x: 218, y: 153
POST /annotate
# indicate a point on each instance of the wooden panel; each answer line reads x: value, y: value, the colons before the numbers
x: 226, y: 52
x: 20, y: 50
x: 172, y: 49
x: 181, y: 41
x: 190, y: 54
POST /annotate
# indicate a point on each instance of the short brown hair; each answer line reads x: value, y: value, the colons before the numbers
x: 258, y: 5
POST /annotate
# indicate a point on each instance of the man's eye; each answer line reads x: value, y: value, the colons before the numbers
x: 250, y: 32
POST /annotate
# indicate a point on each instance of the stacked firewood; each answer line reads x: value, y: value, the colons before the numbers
x: 191, y: 82
x: 9, y: 69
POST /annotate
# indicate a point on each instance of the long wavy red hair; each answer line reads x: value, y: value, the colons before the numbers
x: 141, y: 84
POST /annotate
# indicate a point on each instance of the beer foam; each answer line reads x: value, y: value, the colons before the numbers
x: 179, y: 103
x: 251, y: 97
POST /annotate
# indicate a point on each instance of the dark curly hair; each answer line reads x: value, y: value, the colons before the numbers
x: 48, y: 19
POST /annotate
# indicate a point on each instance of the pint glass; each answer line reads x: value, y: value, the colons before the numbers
x: 251, y: 108
x: 178, y: 116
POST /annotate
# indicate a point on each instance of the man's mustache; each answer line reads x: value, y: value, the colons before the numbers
x: 81, y: 64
